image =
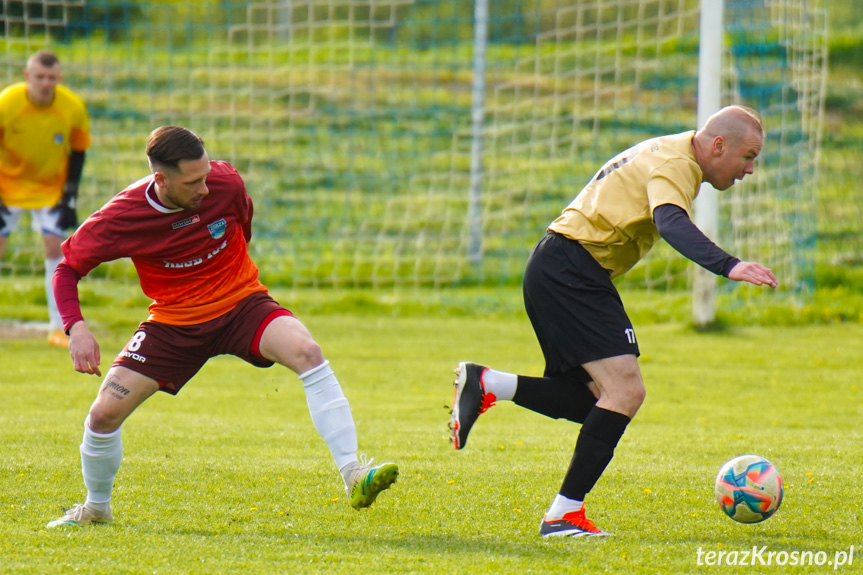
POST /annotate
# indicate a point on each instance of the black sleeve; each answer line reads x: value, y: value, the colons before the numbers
x: 677, y: 229
x: 76, y: 166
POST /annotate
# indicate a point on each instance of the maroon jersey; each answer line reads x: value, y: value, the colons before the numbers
x: 195, y: 265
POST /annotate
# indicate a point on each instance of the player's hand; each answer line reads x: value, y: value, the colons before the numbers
x: 68, y: 218
x: 84, y: 349
x: 753, y: 273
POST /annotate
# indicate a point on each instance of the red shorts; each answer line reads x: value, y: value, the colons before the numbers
x: 172, y: 354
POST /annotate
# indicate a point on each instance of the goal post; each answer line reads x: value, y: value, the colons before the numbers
x: 474, y: 214
x: 706, y: 205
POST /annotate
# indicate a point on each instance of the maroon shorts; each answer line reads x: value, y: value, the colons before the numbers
x: 172, y: 354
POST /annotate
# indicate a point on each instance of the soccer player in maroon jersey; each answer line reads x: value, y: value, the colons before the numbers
x: 186, y: 228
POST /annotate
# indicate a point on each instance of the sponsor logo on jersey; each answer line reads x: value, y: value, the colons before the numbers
x: 196, y: 261
x: 608, y: 168
x: 188, y: 264
x: 187, y: 222
x: 217, y: 228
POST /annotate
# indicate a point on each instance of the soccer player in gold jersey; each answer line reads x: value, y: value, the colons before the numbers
x: 44, y: 133
x: 591, y: 374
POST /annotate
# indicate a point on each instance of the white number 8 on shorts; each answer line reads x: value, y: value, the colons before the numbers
x: 135, y: 342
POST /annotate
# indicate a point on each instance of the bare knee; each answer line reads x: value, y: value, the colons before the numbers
x: 308, y: 355
x: 619, y: 382
x: 635, y: 396
x: 102, y: 420
x: 52, y: 246
x: 121, y: 393
x: 624, y: 394
x: 287, y: 341
x: 635, y: 390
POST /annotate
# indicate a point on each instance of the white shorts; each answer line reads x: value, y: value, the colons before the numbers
x: 43, y: 221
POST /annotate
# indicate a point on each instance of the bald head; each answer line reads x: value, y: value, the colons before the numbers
x: 733, y: 123
x: 727, y: 145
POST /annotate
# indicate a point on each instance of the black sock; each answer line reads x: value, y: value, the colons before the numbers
x: 563, y: 397
x: 594, y: 449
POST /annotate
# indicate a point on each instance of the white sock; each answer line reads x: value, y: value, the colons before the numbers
x: 331, y: 413
x: 101, y: 454
x: 348, y: 471
x: 561, y: 506
x: 54, y: 320
x: 500, y: 383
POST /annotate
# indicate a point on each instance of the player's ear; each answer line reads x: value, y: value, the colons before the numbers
x: 160, y: 178
x: 158, y: 173
x: 718, y: 145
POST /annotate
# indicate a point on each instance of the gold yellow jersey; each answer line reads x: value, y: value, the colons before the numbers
x: 612, y: 217
x: 35, y: 143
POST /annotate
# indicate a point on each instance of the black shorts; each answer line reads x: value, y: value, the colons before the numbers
x: 574, y: 307
x: 172, y: 354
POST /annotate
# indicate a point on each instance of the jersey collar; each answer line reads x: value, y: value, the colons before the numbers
x: 150, y: 194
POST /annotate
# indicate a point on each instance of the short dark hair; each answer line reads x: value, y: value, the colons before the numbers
x: 167, y: 146
x: 44, y: 57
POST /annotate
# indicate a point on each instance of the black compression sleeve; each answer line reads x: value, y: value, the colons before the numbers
x: 76, y: 166
x: 677, y: 229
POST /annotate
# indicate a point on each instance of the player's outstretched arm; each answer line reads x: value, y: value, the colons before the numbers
x: 84, y: 349
x: 753, y: 273
x: 82, y: 345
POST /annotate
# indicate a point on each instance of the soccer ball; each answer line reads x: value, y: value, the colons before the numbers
x: 748, y: 489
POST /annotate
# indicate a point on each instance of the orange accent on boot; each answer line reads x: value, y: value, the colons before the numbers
x: 579, y: 519
x: 488, y: 400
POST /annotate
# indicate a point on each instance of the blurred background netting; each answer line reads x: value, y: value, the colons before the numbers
x: 373, y: 162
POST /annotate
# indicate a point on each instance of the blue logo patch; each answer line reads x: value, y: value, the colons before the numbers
x: 217, y: 228
x: 58, y: 139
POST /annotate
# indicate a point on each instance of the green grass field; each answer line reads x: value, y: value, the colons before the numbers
x: 230, y: 476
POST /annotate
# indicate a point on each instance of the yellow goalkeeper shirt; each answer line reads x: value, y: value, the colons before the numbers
x: 35, y: 143
x: 612, y: 217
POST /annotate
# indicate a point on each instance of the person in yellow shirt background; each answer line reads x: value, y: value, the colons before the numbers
x: 44, y: 134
